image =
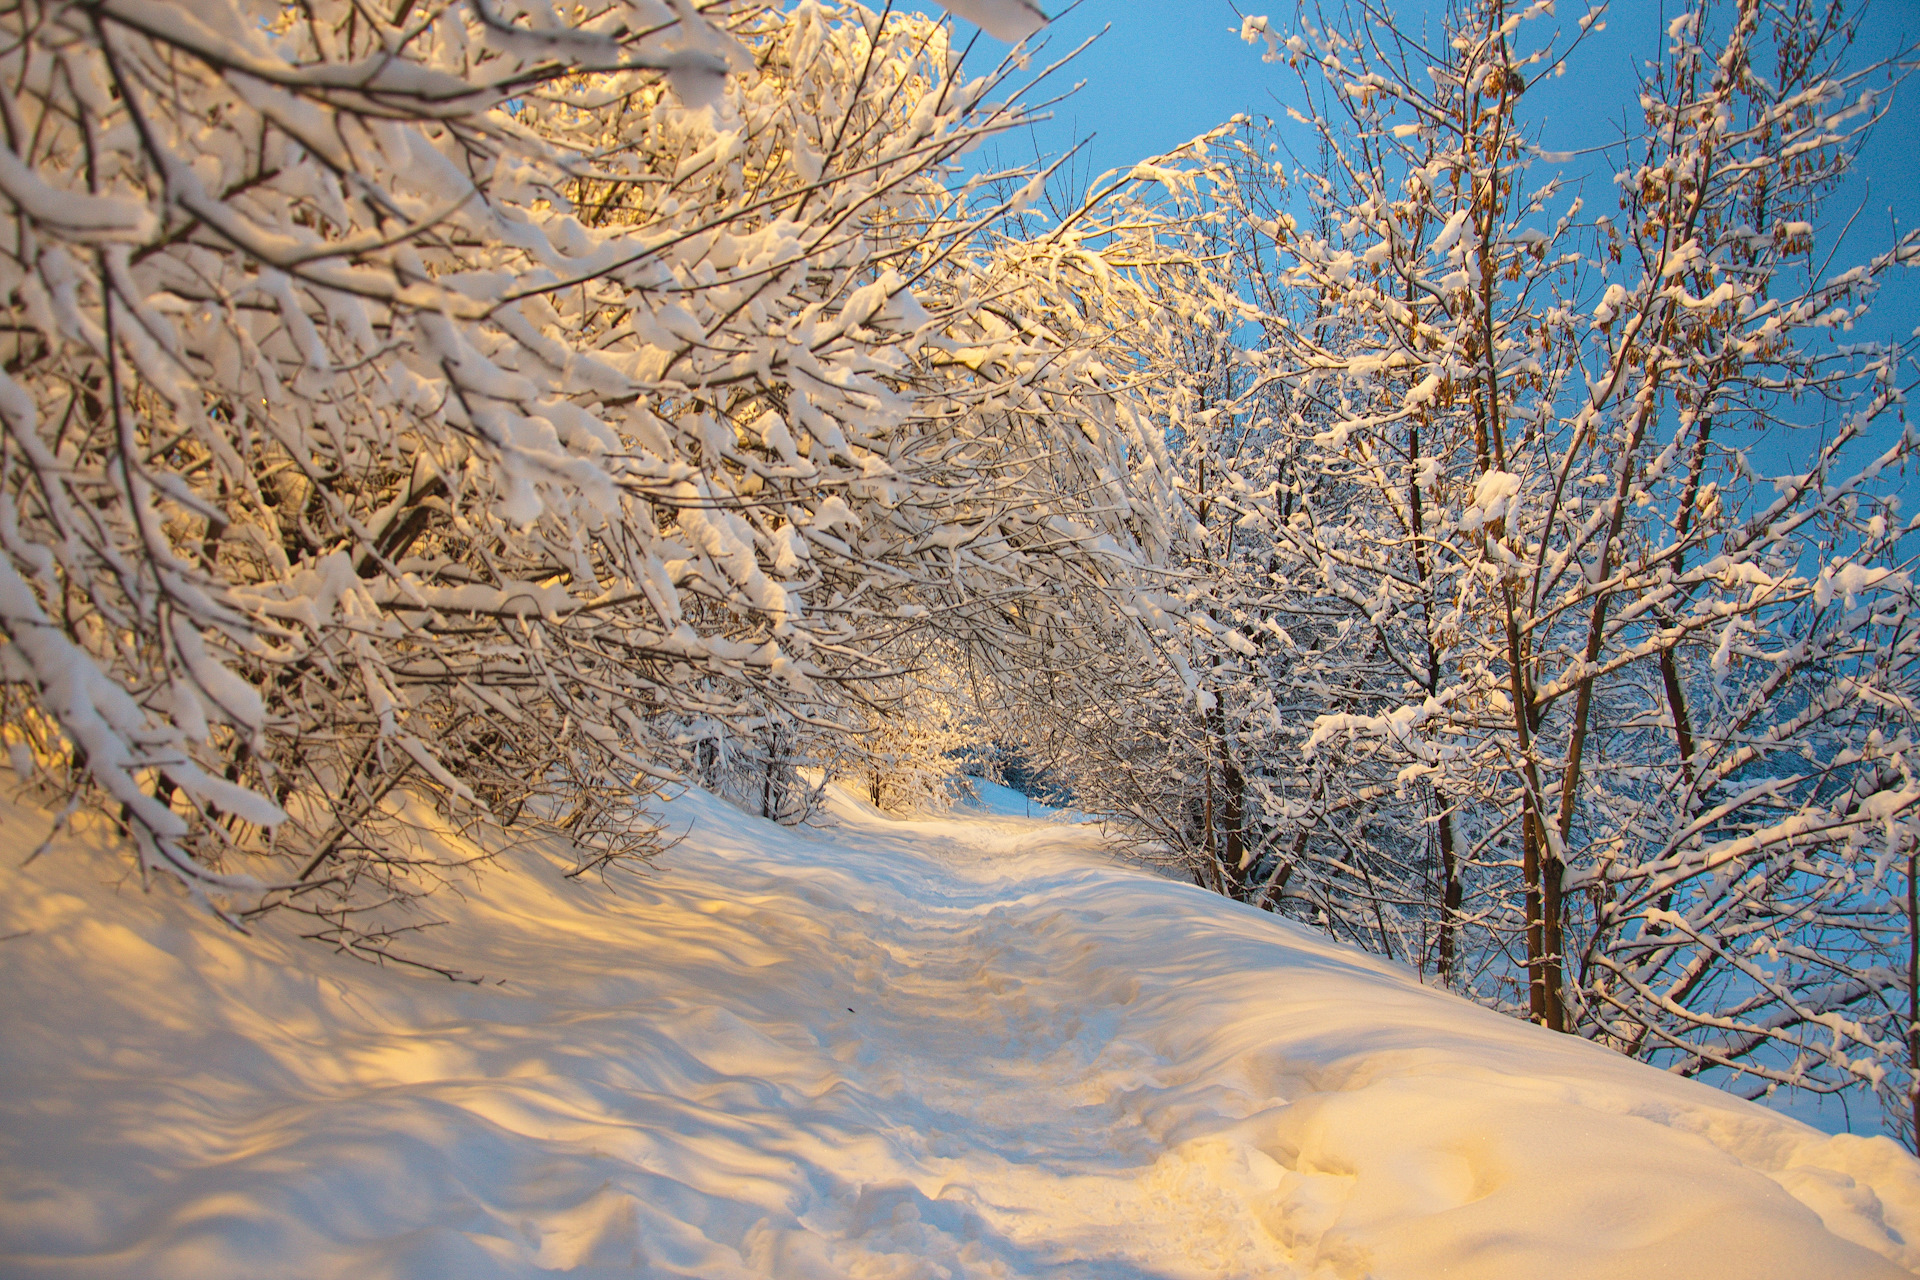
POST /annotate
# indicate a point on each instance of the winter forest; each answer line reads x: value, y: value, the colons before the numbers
x: 1491, y: 558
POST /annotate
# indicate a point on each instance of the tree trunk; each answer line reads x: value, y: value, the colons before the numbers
x: 1233, y: 806
x: 773, y: 764
x: 1913, y: 992
x: 1451, y: 896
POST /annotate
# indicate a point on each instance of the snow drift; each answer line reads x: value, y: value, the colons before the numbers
x: 969, y: 1048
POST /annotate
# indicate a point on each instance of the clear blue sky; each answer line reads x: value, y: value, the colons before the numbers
x: 1166, y: 70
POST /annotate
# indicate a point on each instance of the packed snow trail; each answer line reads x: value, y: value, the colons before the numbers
x: 970, y: 1047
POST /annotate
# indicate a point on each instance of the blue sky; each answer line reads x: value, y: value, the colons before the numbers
x: 1166, y: 70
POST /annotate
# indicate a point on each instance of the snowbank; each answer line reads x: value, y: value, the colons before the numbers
x: 888, y: 1051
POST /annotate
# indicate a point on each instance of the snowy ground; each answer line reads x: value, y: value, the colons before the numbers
x: 968, y: 1047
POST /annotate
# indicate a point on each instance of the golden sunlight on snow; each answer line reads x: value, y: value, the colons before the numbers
x: 958, y: 1047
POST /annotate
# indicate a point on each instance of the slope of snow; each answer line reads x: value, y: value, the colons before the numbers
x: 968, y: 1047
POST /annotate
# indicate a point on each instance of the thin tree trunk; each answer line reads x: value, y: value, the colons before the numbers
x: 773, y: 763
x: 1913, y: 991
x: 1540, y: 868
x: 1233, y: 801
x: 1677, y: 706
x: 1451, y: 895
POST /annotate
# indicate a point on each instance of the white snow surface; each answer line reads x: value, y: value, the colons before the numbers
x: 1009, y: 20
x: 965, y: 1047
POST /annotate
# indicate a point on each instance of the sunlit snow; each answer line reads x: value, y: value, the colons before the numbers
x: 1009, y: 20
x: 965, y: 1047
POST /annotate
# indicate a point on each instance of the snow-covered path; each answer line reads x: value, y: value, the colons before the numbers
x: 969, y: 1047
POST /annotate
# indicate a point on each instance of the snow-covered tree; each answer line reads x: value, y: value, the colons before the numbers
x: 460, y: 399
x: 1597, y: 512
x: 1126, y: 690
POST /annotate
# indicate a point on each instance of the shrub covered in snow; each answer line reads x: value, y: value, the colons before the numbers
x: 459, y: 399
